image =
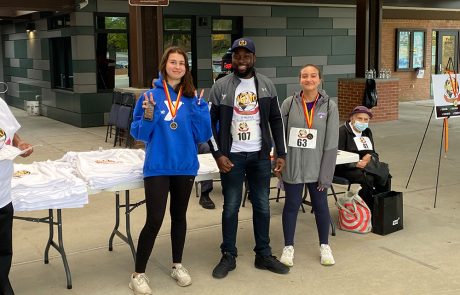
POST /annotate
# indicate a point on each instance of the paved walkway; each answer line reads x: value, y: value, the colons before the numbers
x: 424, y: 258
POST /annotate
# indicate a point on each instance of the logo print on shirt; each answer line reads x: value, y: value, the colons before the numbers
x: 246, y: 103
x: 363, y: 141
x: 243, y: 127
x: 168, y: 116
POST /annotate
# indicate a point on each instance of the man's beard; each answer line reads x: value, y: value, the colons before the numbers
x: 243, y: 74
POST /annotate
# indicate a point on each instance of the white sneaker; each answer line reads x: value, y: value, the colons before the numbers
x: 287, y: 258
x: 326, y: 255
x: 181, y: 275
x: 140, y: 284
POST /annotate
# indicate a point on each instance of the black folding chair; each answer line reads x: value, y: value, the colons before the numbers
x: 341, y: 181
x: 129, y: 99
x: 123, y: 126
x: 116, y: 103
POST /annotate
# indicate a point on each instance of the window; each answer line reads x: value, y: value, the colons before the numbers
x: 112, y: 53
x: 410, y: 49
x: 61, y: 63
x: 224, y: 32
x: 178, y: 32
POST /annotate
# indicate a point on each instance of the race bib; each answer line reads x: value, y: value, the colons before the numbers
x: 363, y: 143
x: 245, y: 131
x: 302, y: 138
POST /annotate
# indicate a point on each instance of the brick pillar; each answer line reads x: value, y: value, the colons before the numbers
x: 351, y: 92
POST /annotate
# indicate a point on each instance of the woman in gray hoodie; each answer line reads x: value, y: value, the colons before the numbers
x: 311, y: 122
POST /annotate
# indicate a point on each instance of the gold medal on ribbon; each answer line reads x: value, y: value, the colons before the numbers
x: 173, y: 108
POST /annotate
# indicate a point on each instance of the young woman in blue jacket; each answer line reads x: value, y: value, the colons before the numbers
x: 179, y: 123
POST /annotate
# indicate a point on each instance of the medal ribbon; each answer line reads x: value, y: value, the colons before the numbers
x: 453, y: 83
x: 172, y: 108
x: 309, y: 116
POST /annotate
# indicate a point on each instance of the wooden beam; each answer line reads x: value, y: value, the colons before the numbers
x: 145, y: 44
x: 368, y: 35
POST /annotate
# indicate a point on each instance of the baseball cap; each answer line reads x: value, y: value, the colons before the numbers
x: 361, y: 109
x: 244, y: 43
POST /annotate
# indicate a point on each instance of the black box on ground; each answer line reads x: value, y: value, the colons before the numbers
x: 387, y: 214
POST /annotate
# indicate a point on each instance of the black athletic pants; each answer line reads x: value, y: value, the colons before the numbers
x: 156, y: 196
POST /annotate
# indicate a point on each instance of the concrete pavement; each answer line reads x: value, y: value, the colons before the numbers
x: 421, y: 259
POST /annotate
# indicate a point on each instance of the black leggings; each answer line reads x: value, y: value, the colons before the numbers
x: 156, y: 196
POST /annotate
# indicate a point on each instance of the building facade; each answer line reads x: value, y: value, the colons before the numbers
x: 71, y: 61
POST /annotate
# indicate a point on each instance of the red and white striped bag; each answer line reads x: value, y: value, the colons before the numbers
x: 354, y: 215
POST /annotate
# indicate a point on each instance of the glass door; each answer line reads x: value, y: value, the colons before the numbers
x: 444, y: 46
x: 112, y: 52
x: 447, y: 48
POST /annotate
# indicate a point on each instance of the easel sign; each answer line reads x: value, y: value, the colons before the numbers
x: 446, y: 103
x: 149, y: 2
x: 446, y: 93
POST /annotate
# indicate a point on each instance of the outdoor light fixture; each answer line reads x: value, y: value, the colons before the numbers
x: 82, y: 4
x: 30, y: 27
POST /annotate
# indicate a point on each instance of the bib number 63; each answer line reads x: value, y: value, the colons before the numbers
x: 302, y: 142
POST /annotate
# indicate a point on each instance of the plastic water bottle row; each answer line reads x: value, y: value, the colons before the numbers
x: 384, y: 73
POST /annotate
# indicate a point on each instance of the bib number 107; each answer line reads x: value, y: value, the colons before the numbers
x: 244, y: 136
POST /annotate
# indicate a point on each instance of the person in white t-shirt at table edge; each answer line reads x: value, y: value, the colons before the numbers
x: 8, y: 128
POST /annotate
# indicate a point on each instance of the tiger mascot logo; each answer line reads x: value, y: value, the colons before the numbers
x: 2, y: 138
x: 243, y: 127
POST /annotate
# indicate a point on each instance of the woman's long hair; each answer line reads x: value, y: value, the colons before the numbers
x: 186, y: 82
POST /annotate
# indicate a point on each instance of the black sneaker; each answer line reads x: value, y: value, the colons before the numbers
x: 270, y: 263
x: 227, y: 263
x: 206, y: 202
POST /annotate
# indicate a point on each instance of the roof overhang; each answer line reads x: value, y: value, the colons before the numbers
x: 24, y: 9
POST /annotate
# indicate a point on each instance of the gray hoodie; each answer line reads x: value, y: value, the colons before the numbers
x: 312, y: 165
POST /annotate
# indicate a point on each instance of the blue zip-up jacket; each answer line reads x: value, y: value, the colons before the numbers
x: 171, y: 152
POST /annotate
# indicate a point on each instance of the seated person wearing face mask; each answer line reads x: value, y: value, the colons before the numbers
x: 355, y: 136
